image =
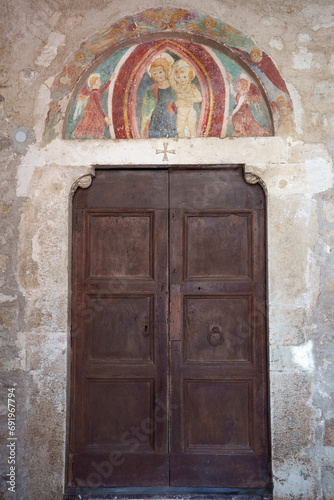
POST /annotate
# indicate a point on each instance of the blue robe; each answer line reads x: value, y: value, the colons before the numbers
x: 157, y: 121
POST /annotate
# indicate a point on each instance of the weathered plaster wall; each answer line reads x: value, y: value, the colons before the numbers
x: 37, y: 37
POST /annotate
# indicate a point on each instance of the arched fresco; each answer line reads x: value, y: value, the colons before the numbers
x: 168, y: 73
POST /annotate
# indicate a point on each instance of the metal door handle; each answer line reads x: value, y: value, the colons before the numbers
x: 215, y: 336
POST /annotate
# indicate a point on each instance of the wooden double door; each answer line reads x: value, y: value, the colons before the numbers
x: 169, y: 377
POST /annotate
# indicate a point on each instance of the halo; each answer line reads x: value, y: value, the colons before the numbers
x: 79, y: 53
x: 256, y: 50
x: 91, y: 76
x: 163, y: 55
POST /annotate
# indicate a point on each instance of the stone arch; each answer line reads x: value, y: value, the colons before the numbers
x: 168, y: 25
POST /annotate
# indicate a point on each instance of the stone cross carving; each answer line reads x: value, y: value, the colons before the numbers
x: 165, y: 151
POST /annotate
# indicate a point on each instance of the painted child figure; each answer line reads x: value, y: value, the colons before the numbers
x: 180, y: 77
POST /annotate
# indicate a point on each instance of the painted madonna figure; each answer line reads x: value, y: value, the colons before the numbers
x: 158, y: 111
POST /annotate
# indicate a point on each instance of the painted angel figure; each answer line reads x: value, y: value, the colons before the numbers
x: 285, y: 112
x: 94, y: 120
x: 53, y: 117
x: 235, y: 38
x: 242, y: 117
x: 166, y: 18
x: 206, y: 27
x: 71, y: 72
x: 264, y: 63
x: 113, y: 34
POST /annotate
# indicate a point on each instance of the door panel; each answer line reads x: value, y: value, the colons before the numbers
x: 205, y: 402
x: 120, y: 306
x: 210, y: 322
x: 107, y: 399
x: 184, y: 405
x: 218, y: 349
x: 124, y: 241
x: 210, y: 253
x: 124, y: 325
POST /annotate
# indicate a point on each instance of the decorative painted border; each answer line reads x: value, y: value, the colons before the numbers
x: 164, y: 21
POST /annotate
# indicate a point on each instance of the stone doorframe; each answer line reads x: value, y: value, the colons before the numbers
x: 48, y: 182
x: 168, y: 152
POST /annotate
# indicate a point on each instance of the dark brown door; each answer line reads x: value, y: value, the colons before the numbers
x: 184, y: 405
x: 119, y: 433
x: 219, y: 434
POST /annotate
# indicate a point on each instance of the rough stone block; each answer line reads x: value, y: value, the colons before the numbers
x: 288, y: 329
x: 325, y: 89
x: 328, y: 483
x: 3, y: 262
x: 8, y: 316
x: 297, y: 479
x: 290, y: 218
x: 329, y: 432
x: 293, y: 420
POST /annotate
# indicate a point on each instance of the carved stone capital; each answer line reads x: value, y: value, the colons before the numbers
x: 251, y: 178
x: 83, y: 183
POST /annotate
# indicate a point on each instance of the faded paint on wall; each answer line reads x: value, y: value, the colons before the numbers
x: 137, y: 94
x: 162, y: 21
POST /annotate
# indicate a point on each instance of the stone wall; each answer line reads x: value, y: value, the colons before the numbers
x: 36, y: 183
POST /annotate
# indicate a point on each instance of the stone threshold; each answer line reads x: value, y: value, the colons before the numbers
x: 170, y: 497
x: 169, y: 494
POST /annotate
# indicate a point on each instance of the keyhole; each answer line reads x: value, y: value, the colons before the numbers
x: 145, y: 330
